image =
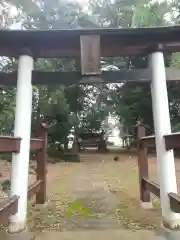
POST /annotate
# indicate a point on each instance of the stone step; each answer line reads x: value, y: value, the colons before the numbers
x: 93, y: 234
x: 96, y: 235
x: 18, y: 236
x: 91, y: 224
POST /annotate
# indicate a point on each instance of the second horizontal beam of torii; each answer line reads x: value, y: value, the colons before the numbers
x: 67, y: 78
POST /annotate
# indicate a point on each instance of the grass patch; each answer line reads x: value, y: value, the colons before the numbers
x: 53, y: 217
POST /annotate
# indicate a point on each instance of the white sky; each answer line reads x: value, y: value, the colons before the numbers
x: 83, y: 2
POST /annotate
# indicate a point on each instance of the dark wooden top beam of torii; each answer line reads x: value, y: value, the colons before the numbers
x: 66, y: 78
x: 66, y: 43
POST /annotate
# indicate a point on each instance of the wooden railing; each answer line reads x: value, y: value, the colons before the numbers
x: 12, y: 144
x: 8, y: 207
x: 172, y: 141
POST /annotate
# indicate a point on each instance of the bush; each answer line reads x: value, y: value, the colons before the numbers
x: 70, y: 157
x: 67, y: 157
x: 54, y: 153
x: 6, y: 156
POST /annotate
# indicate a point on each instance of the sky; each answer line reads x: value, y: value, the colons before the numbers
x: 83, y: 2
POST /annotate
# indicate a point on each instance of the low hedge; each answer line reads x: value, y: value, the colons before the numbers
x: 70, y: 157
x: 58, y: 155
x: 67, y: 156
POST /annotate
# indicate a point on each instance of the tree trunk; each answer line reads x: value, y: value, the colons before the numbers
x: 66, y: 144
x: 75, y: 147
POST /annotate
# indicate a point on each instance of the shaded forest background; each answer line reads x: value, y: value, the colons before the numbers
x: 86, y: 107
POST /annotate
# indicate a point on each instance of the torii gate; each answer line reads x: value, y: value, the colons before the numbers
x: 89, y: 45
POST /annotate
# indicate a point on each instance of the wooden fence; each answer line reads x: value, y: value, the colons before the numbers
x: 147, y: 186
x: 12, y: 145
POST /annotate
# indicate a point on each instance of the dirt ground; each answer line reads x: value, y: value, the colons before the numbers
x: 97, y: 191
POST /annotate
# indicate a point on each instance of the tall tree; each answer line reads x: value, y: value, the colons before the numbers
x: 132, y: 101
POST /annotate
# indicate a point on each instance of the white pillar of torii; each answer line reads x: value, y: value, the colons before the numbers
x: 165, y: 158
x: 22, y: 129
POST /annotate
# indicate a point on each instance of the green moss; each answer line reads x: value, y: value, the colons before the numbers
x: 77, y: 208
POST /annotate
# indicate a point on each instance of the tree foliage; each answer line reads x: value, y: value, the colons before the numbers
x: 86, y: 107
x: 133, y: 101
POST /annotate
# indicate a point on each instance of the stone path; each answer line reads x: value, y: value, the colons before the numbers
x: 92, y: 206
x: 93, y: 210
x: 92, y: 193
